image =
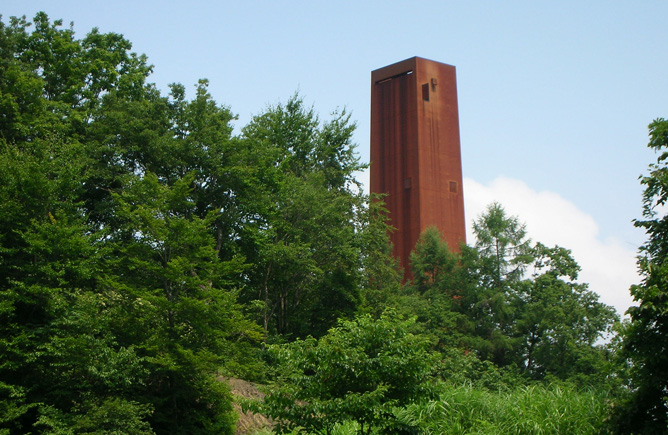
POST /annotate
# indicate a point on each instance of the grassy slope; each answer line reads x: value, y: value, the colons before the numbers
x: 536, y: 409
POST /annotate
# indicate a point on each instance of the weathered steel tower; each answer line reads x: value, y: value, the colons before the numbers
x: 415, y: 151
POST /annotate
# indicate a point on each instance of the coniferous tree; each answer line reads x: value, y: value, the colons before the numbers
x: 482, y: 301
x: 497, y: 264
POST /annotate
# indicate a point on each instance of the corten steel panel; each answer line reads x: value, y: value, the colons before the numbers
x: 415, y: 151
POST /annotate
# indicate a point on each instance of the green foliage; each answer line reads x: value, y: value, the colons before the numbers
x: 305, y: 211
x: 536, y: 409
x: 496, y: 267
x: 480, y: 300
x: 645, y: 338
x: 178, y: 304
x: 118, y: 273
x: 139, y: 241
x: 110, y: 417
x: 503, y: 246
x: 433, y: 265
x: 362, y: 370
x: 458, y: 367
x: 381, y: 272
x: 133, y: 225
x: 436, y: 293
x: 561, y: 321
x: 547, y: 324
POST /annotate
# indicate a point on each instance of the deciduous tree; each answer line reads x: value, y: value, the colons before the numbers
x: 302, y: 236
x: 118, y: 263
x: 362, y: 370
x: 560, y: 321
x: 646, y: 338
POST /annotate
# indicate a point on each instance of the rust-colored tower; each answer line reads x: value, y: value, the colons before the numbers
x: 415, y: 151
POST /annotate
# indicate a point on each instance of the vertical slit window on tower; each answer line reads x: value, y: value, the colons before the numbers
x: 425, y: 92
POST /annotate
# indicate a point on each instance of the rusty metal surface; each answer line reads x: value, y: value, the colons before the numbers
x: 415, y: 151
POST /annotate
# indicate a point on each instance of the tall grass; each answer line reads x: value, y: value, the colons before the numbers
x: 535, y: 409
x: 540, y: 409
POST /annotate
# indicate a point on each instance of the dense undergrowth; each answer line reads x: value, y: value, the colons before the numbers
x: 534, y: 409
x: 539, y: 409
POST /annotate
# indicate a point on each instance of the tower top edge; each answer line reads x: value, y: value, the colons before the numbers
x: 404, y: 66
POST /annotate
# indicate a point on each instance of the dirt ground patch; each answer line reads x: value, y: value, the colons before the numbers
x: 248, y: 422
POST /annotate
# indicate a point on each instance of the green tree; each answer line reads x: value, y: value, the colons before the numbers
x: 61, y: 365
x: 302, y: 234
x: 483, y: 300
x: 437, y: 290
x: 382, y: 275
x: 118, y: 263
x: 646, y: 337
x: 496, y: 267
x: 53, y: 83
x: 363, y: 370
x: 504, y: 247
x: 434, y: 266
x: 180, y: 310
x: 545, y: 323
x: 559, y: 321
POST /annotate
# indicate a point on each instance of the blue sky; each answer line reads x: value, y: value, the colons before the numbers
x: 554, y: 97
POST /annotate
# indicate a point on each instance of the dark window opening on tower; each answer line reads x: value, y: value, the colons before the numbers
x: 405, y: 73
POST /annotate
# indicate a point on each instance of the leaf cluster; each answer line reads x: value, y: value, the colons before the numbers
x: 481, y: 299
x: 645, y: 345
x: 362, y: 370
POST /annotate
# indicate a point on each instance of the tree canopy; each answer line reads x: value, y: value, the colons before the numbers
x: 484, y: 300
x: 147, y: 251
x: 139, y: 239
x: 646, y: 336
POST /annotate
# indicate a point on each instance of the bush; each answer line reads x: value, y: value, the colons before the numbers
x: 362, y: 371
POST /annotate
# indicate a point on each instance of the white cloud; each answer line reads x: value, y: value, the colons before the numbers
x: 607, y: 264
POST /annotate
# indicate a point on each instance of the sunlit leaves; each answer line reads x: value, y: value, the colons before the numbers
x: 645, y: 338
x: 361, y: 370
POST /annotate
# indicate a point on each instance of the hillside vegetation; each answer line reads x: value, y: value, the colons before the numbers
x: 147, y: 253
